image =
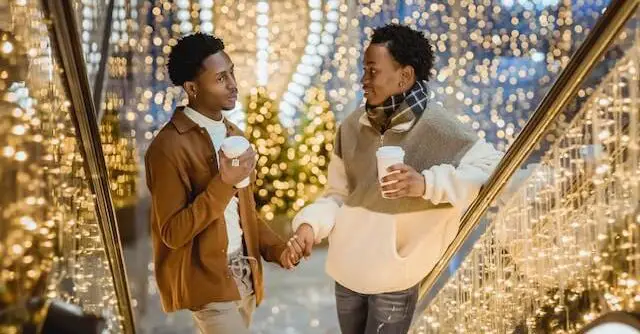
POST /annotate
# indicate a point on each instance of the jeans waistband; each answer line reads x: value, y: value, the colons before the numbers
x: 240, y: 268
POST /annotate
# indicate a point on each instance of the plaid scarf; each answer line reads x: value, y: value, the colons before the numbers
x: 395, y: 109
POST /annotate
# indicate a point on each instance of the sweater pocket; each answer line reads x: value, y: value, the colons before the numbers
x: 397, y: 250
x: 422, y: 231
x: 362, y: 252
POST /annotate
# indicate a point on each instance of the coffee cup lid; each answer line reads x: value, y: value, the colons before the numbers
x: 390, y: 151
x: 234, y: 145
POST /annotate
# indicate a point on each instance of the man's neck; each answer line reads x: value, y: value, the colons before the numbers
x: 215, y: 115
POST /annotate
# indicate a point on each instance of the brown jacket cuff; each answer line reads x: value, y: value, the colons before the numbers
x: 274, y: 252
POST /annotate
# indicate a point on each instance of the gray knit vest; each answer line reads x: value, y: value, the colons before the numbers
x: 437, y: 137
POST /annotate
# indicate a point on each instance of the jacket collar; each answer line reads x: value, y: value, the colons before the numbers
x: 183, y: 123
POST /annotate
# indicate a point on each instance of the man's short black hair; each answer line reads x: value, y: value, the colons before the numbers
x: 407, y: 46
x: 186, y: 57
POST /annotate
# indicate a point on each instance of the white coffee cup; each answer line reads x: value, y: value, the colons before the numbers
x: 234, y: 147
x: 388, y: 156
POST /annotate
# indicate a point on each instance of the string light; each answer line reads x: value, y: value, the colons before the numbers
x: 90, y: 16
x: 206, y: 16
x: 341, y: 72
x: 320, y: 38
x: 119, y: 150
x: 236, y: 21
x: 51, y: 245
x: 184, y: 16
x: 564, y: 248
x: 494, y: 62
x: 156, y: 96
x: 262, y: 43
x: 272, y: 44
x: 195, y: 15
x: 118, y: 139
x: 465, y: 37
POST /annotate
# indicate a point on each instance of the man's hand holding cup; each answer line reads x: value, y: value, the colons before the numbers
x: 397, y: 180
x: 237, y: 161
x: 402, y: 181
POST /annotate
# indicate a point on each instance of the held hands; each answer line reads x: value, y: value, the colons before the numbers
x: 289, y: 260
x: 298, y: 246
x: 244, y: 165
x: 404, y: 181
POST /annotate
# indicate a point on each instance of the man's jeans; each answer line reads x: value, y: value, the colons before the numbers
x: 386, y: 313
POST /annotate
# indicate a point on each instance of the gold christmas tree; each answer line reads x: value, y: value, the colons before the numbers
x: 314, y: 145
x: 274, y: 190
x: 289, y: 176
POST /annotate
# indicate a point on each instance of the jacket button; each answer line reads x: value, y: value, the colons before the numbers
x: 222, y: 251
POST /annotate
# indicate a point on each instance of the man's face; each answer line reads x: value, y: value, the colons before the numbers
x: 216, y: 87
x: 382, y: 75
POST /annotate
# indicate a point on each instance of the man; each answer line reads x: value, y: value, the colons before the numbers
x: 380, y: 248
x: 207, y: 238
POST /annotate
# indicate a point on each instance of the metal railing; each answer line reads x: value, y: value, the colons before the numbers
x: 65, y: 35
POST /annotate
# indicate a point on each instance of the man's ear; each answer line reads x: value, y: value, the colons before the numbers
x: 191, y: 88
x: 408, y: 74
